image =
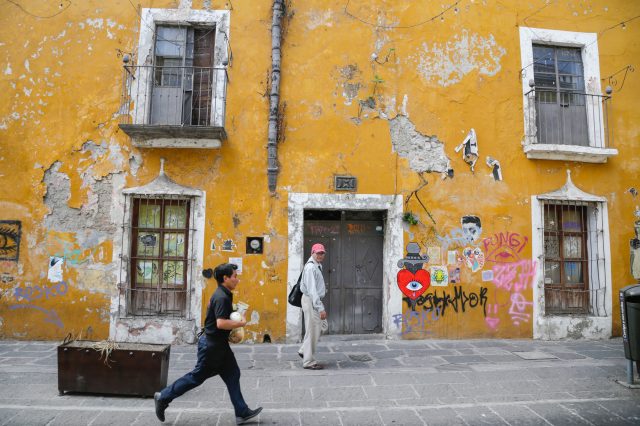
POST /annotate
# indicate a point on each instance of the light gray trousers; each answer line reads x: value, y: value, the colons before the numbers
x: 311, y: 332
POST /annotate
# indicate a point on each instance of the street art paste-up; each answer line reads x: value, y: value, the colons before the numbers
x: 496, y: 170
x: 434, y: 254
x: 10, y: 231
x: 635, y: 252
x: 487, y: 275
x: 452, y: 257
x: 54, y: 274
x: 473, y: 258
x: 454, y: 275
x: 227, y: 245
x: 470, y: 149
x: 413, y: 280
x: 471, y: 228
x: 439, y: 276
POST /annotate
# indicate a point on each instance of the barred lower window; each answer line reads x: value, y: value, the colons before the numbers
x: 159, y: 256
x: 573, y: 258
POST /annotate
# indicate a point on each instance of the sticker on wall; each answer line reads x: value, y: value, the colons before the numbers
x: 452, y: 257
x: 213, y: 245
x: 254, y: 245
x: 496, y: 169
x: 439, y: 276
x: 473, y: 258
x: 238, y: 262
x: 434, y: 254
x: 55, y: 269
x: 413, y: 280
x: 471, y: 228
x: 454, y: 275
x: 487, y: 275
x: 228, y: 245
x: 469, y: 147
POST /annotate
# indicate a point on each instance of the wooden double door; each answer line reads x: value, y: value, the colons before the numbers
x: 352, y: 267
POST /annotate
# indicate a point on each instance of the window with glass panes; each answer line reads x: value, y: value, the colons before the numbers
x: 560, y: 95
x: 159, y: 256
x: 566, y: 269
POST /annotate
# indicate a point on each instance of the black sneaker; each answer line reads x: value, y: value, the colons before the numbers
x: 160, y: 406
x: 248, y: 416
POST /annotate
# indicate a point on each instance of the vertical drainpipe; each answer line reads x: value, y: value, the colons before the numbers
x: 274, y: 96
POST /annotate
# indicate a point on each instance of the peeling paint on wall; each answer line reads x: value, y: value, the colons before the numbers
x: 349, y: 81
x: 425, y: 153
x: 447, y: 63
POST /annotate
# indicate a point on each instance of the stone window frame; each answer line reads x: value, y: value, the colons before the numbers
x: 598, y: 324
x: 159, y: 329
x: 150, y: 18
x: 588, y: 43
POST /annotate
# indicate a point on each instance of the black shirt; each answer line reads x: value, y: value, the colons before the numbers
x: 220, y: 306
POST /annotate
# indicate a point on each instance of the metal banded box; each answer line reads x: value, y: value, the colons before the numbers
x: 113, y: 368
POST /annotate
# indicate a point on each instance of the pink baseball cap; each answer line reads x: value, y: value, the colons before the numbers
x: 317, y: 248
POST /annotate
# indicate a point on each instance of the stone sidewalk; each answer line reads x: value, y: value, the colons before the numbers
x: 366, y: 382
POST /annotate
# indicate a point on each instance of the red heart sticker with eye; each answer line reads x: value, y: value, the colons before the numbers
x: 413, y: 285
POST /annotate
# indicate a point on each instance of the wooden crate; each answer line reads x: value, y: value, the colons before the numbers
x: 129, y: 369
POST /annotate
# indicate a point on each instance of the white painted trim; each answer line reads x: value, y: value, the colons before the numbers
x: 178, y: 143
x: 556, y: 327
x: 585, y: 154
x: 588, y: 42
x: 393, y: 248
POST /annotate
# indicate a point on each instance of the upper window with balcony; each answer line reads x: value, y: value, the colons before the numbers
x: 175, y: 96
x: 566, y: 116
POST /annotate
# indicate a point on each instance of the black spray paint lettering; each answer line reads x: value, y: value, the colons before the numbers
x: 37, y: 292
x: 459, y: 300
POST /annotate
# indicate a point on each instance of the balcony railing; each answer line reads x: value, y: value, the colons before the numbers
x: 174, y: 102
x: 568, y: 118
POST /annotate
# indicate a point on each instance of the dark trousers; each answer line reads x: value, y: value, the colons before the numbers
x: 213, y: 358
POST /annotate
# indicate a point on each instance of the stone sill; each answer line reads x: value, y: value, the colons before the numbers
x: 152, y: 136
x: 584, y: 154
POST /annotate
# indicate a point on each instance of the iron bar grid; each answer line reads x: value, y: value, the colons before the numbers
x: 174, y: 96
x: 568, y: 118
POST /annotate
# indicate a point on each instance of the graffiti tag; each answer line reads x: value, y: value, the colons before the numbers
x: 504, y: 247
x: 50, y: 315
x: 40, y: 292
x: 459, y: 301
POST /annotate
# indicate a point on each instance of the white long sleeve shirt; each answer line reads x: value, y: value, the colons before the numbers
x: 312, y: 283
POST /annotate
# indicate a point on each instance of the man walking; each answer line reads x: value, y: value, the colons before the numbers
x: 214, y: 354
x: 313, y: 290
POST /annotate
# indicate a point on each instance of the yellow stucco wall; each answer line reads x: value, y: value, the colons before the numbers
x: 446, y: 70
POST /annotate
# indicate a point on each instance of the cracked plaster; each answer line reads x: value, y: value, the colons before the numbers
x: 425, y: 153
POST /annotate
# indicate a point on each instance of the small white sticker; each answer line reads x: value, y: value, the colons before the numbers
x: 238, y: 262
x: 55, y: 269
